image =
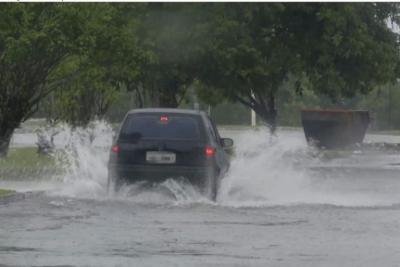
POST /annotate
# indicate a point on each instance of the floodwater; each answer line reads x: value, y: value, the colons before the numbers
x: 281, y: 204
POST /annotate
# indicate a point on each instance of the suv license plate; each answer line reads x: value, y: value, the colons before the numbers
x: 160, y: 157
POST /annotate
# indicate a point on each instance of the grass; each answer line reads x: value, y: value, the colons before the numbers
x: 25, y: 163
x: 238, y: 127
x: 26, y: 158
x: 6, y: 192
x: 388, y: 132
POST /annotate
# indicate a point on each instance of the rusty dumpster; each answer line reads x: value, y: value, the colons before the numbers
x: 334, y: 128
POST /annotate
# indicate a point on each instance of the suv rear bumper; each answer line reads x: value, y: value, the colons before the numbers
x: 158, y: 173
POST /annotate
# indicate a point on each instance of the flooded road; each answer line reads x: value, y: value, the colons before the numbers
x: 281, y: 204
x: 53, y: 231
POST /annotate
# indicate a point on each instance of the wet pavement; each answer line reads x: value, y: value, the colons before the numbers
x: 39, y: 230
x: 282, y: 204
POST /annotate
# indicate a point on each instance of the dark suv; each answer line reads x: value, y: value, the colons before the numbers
x: 156, y: 144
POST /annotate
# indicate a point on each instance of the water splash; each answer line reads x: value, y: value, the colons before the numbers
x: 82, y: 153
x: 265, y: 171
x: 171, y: 191
x: 284, y: 170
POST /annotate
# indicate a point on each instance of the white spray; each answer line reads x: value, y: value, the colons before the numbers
x: 265, y: 171
x: 83, y: 155
x: 282, y: 170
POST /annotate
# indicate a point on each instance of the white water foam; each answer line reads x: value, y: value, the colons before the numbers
x: 171, y: 191
x: 265, y: 171
x: 279, y: 171
x: 83, y: 155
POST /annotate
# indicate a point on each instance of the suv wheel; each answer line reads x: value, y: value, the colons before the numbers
x: 211, y: 184
x: 114, y: 183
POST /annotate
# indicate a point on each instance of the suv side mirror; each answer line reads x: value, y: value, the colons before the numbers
x: 226, y: 142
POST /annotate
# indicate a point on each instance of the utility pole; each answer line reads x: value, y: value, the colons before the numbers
x: 390, y: 107
x: 253, y: 114
x: 253, y: 118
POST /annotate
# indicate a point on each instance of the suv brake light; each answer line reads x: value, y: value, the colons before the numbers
x: 209, y: 151
x: 164, y: 118
x: 115, y: 148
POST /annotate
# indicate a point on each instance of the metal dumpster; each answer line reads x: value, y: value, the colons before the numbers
x: 334, y: 128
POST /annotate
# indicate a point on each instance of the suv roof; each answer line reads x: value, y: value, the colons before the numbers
x: 171, y: 110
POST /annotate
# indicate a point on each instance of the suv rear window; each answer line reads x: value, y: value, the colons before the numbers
x: 160, y: 126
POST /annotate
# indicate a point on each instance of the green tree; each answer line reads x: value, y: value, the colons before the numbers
x: 85, y: 98
x: 166, y: 34
x: 251, y: 49
x: 383, y: 103
x: 35, y: 39
x: 111, y: 64
x: 346, y: 49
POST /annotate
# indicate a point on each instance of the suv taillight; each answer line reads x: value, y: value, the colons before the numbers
x: 209, y: 151
x: 115, y: 148
x: 164, y: 118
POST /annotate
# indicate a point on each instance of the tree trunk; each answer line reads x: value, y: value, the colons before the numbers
x: 154, y: 97
x: 168, y: 99
x: 5, y: 138
x: 264, y: 107
x: 272, y: 113
x: 269, y: 115
x: 168, y: 91
x: 8, y: 123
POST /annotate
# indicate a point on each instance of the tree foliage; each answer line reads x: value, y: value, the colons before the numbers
x: 35, y: 39
x: 346, y: 48
x: 338, y: 49
x: 78, y: 56
x: 165, y: 31
x: 245, y: 55
x: 112, y: 63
